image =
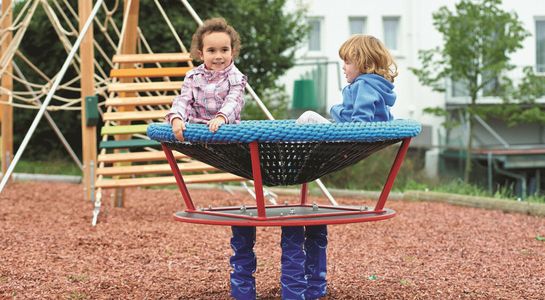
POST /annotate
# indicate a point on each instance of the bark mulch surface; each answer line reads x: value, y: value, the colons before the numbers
x: 49, y: 250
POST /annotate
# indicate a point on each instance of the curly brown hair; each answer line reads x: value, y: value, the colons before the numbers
x: 214, y: 25
x: 370, y: 55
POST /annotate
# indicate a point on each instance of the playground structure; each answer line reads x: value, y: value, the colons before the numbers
x: 285, y: 153
x: 135, y: 92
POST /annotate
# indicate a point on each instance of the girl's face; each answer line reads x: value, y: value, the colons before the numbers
x: 216, y: 51
x: 350, y: 71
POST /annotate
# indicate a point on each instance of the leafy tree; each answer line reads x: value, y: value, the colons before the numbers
x: 269, y: 36
x: 268, y: 33
x: 478, y: 37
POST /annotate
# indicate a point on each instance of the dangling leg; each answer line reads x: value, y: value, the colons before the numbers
x: 311, y: 117
x: 316, y: 261
x: 243, y: 263
x: 293, y: 279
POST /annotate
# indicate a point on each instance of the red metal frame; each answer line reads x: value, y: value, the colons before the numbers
x: 258, y: 182
x: 393, y: 174
x: 304, y: 193
x: 309, y: 221
x: 341, y: 214
x: 179, y: 178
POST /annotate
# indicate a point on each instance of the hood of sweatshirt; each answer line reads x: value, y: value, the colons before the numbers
x: 381, y: 85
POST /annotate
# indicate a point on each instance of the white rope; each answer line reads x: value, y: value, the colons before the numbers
x: 26, y: 82
x: 49, y: 108
x: 100, y: 83
x: 65, y: 41
x: 32, y: 100
x: 20, y: 15
x: 18, y: 37
x: 55, y: 20
x: 109, y: 13
x: 167, y: 20
x: 67, y: 5
x: 40, y: 113
x: 4, y: 91
x: 42, y: 88
x: 67, y: 19
x: 32, y: 66
x: 14, y: 23
x: 55, y: 127
x: 112, y: 22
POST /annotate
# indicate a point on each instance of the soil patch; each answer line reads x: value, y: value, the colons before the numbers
x: 48, y: 249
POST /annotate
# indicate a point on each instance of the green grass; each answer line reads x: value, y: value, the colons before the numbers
x: 359, y: 176
x: 457, y: 186
x: 57, y: 167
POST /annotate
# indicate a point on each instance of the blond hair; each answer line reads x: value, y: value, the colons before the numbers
x: 370, y: 56
x: 214, y: 25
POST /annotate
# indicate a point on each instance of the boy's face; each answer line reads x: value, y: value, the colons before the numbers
x: 216, y: 51
x: 350, y: 71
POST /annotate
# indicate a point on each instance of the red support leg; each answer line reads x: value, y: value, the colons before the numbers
x: 393, y: 173
x: 179, y: 179
x: 304, y: 192
x: 258, y: 182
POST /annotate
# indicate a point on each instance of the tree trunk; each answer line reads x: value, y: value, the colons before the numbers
x: 469, y: 146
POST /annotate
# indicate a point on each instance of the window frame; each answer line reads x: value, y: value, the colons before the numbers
x: 320, y: 20
x: 540, y: 19
x: 357, y: 18
x: 397, y: 51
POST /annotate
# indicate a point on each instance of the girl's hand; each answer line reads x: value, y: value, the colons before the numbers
x: 215, y: 123
x: 178, y: 127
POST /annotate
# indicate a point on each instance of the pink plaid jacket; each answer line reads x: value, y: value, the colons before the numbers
x: 206, y: 94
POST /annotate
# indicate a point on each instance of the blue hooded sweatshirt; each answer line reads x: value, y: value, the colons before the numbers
x: 367, y: 99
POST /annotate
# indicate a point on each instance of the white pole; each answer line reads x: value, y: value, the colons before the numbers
x: 51, y: 122
x: 54, y: 87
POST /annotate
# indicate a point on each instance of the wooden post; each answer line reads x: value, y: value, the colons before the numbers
x: 6, y: 115
x: 88, y: 133
x: 128, y: 46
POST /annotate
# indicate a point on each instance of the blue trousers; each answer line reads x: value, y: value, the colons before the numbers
x: 304, y: 262
x: 243, y: 263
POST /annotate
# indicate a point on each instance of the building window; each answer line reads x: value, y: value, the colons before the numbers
x: 315, y: 35
x: 491, y: 85
x: 391, y: 32
x: 459, y: 88
x: 540, y: 46
x: 357, y: 25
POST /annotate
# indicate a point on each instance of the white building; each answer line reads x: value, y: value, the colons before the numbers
x: 406, y: 26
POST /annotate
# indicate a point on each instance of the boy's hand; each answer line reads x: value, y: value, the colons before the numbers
x: 178, y: 127
x: 215, y: 123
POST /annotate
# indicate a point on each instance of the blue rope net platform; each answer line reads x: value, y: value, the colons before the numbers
x: 289, y: 153
x: 282, y: 152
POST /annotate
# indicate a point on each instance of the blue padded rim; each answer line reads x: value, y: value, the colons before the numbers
x: 288, y: 131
